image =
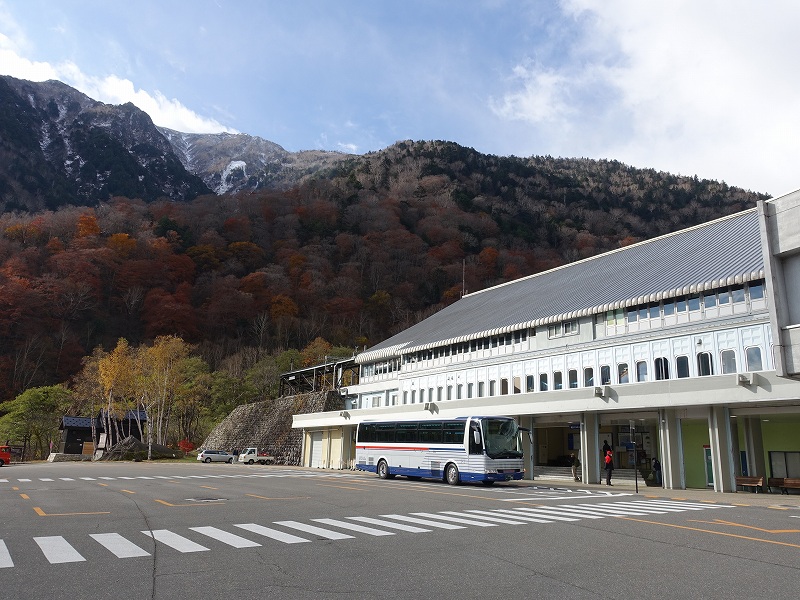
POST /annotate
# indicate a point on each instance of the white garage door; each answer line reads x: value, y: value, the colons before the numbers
x: 316, y: 449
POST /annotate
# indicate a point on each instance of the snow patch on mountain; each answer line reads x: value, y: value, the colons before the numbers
x: 226, y: 182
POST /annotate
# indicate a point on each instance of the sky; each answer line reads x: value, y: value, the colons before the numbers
x: 708, y: 88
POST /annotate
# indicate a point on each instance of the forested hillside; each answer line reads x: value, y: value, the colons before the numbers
x: 352, y: 256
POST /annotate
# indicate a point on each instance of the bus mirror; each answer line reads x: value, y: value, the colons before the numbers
x: 530, y: 433
x: 476, y: 435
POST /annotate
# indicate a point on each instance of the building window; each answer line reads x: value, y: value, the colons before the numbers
x: 669, y: 307
x: 724, y: 296
x: 641, y: 370
x: 556, y: 330
x: 438, y: 394
x: 543, y: 382
x: 680, y: 305
x: 622, y: 372
x: 588, y: 377
x: 682, y: 364
x: 469, y: 390
x: 694, y: 302
x: 530, y: 383
x: 737, y: 293
x: 756, y: 291
x: 405, y: 397
x: 503, y: 387
x: 753, y: 357
x: 605, y: 375
x: 662, y: 368
x: 705, y: 366
x: 421, y: 396
x: 449, y: 392
x: 709, y: 299
x: 492, y: 386
x: 573, y: 378
x: 517, y: 385
x: 480, y: 389
x: 728, y: 361
x: 459, y: 391
x: 557, y: 382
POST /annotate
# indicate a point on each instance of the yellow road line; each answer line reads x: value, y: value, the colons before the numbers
x: 165, y: 503
x: 732, y: 524
x: 286, y: 498
x: 208, y: 487
x: 24, y: 496
x: 733, y: 535
x: 127, y: 491
x: 343, y: 487
x: 41, y: 513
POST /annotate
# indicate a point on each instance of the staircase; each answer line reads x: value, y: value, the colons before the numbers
x: 565, y: 474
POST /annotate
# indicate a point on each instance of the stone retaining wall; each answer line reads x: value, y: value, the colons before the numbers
x: 267, y: 425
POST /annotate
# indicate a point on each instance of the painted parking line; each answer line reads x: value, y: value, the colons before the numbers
x: 118, y: 545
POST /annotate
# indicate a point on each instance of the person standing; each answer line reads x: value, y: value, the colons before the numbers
x: 609, y: 467
x: 656, y: 471
x: 575, y: 463
x: 606, y: 447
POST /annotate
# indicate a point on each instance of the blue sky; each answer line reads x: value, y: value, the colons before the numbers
x: 707, y: 88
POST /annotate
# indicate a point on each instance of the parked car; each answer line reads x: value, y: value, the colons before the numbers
x: 208, y: 456
x: 5, y: 455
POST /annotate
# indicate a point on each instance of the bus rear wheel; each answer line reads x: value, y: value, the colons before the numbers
x: 451, y: 474
x: 383, y: 470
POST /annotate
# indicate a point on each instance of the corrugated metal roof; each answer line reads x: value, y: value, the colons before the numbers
x: 724, y: 251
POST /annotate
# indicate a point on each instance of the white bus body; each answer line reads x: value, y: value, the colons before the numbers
x: 485, y: 449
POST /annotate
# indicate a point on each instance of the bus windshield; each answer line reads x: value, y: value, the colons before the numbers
x: 501, y: 438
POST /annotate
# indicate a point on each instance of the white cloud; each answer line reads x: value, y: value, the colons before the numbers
x: 690, y: 87
x: 110, y: 89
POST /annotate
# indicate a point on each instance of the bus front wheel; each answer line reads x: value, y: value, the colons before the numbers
x: 451, y: 474
x: 383, y: 470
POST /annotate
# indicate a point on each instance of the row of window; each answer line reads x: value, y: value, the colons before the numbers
x: 691, y: 303
x: 413, y: 432
x: 484, y: 343
x: 661, y: 369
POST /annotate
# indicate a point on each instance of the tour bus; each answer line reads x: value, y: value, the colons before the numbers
x: 485, y: 449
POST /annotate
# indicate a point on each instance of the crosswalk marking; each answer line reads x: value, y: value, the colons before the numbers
x: 418, y: 521
x: 538, y: 513
x: 274, y: 534
x: 390, y: 525
x: 444, y: 517
x: 23, y: 480
x: 562, y: 510
x: 353, y: 527
x: 231, y: 539
x: 173, y: 540
x: 66, y: 479
x: 86, y: 478
x: 57, y: 550
x: 118, y: 545
x: 45, y: 479
x: 486, y: 516
x: 5, y: 557
x: 326, y: 533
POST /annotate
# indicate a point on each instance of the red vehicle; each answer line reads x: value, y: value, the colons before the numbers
x: 5, y: 455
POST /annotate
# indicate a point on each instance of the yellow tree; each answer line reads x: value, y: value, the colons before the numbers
x: 161, y: 374
x: 117, y: 375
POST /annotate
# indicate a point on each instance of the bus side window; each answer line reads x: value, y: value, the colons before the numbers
x: 474, y: 432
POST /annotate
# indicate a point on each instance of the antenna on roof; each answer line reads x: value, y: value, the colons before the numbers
x: 463, y: 277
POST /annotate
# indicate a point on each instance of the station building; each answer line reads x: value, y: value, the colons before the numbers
x: 684, y: 348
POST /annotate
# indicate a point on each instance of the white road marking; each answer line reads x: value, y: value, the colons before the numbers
x: 274, y: 534
x: 389, y: 524
x: 326, y: 533
x: 118, y: 545
x: 231, y: 539
x: 438, y: 524
x: 5, y: 557
x: 353, y: 527
x: 173, y: 540
x: 57, y: 550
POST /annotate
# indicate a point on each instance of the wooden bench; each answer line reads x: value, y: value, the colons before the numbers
x: 753, y: 482
x: 784, y: 483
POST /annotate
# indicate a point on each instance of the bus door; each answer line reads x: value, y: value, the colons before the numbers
x: 475, y: 442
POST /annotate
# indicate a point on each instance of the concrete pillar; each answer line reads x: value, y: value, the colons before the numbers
x: 719, y: 432
x: 590, y: 448
x: 754, y: 447
x: 529, y: 447
x: 669, y: 435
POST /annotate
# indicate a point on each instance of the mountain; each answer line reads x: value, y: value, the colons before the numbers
x: 230, y: 163
x: 58, y: 146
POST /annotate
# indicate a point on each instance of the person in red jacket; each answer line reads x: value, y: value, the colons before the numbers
x: 609, y: 467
